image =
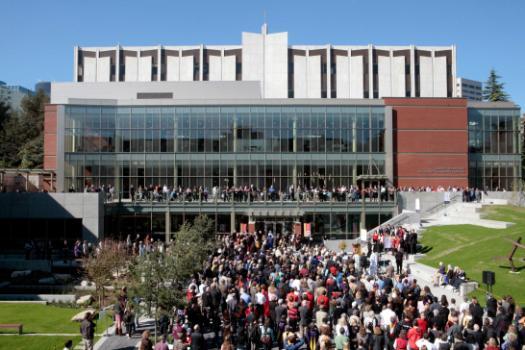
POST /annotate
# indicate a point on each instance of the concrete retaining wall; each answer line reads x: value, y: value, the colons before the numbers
x: 513, y: 198
x: 427, y: 200
x: 30, y: 205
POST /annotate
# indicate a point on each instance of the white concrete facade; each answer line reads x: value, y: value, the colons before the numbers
x: 327, y: 71
x: 470, y: 89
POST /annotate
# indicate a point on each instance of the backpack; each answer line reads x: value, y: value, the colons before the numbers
x: 265, y: 336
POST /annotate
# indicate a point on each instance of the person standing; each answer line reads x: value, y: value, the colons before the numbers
x: 145, y: 342
x: 399, y: 261
x: 197, y: 339
x: 162, y: 344
x: 414, y: 334
x: 87, y: 330
x: 341, y: 340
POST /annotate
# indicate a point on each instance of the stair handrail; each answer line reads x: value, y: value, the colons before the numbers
x: 441, y: 205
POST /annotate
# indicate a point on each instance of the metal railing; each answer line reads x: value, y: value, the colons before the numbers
x: 441, y: 205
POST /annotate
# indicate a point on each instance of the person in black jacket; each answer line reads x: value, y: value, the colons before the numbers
x: 378, y: 339
x: 197, y: 339
x: 492, y: 306
x: 476, y: 311
x: 399, y: 260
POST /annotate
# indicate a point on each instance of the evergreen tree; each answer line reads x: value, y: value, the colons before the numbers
x: 493, y: 90
x: 4, y: 113
x: 21, y: 133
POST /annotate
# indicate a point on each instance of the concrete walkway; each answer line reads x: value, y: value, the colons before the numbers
x: 116, y: 342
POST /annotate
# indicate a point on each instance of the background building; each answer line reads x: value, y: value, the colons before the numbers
x: 45, y: 86
x: 469, y: 89
x: 13, y: 94
x: 283, y: 71
x: 268, y: 118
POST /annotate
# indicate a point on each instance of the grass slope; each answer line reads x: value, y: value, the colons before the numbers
x: 475, y: 249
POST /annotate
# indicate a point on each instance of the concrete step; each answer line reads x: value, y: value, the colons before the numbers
x: 494, y: 201
x: 457, y: 220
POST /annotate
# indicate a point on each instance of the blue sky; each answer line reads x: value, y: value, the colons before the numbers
x: 38, y: 36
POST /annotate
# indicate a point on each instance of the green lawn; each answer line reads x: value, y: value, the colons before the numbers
x: 38, y: 318
x: 476, y: 249
x: 34, y: 342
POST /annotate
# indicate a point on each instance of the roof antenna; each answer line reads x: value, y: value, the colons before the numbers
x: 264, y: 28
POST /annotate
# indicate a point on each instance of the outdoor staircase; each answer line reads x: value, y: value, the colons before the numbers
x: 462, y: 213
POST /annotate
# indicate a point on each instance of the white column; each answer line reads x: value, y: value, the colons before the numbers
x: 222, y: 62
x: 138, y: 66
x: 349, y: 69
x: 159, y: 62
x: 391, y: 73
x: 75, y: 64
x: 328, y: 72
x: 370, y: 73
x: 412, y: 71
x: 307, y: 70
x: 97, y: 57
x: 117, y: 63
x: 433, y: 68
x: 454, y: 87
x: 201, y: 63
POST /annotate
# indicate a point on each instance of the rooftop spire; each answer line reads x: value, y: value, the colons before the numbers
x: 264, y: 27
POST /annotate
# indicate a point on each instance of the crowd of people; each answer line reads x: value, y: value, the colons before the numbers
x: 450, y: 275
x: 248, y: 193
x: 262, y: 291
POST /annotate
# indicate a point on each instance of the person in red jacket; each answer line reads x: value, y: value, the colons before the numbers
x: 401, y: 342
x: 322, y: 300
x: 414, y: 334
x: 422, y: 323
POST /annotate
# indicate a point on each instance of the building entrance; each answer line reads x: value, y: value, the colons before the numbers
x: 278, y: 225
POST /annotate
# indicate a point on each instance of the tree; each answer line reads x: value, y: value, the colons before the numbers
x: 4, y: 113
x: 160, y: 279
x: 32, y: 153
x: 493, y: 90
x: 101, y: 267
x: 21, y: 133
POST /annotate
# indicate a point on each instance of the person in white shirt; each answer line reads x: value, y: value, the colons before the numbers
x: 424, y: 342
x: 386, y: 315
x: 464, y: 305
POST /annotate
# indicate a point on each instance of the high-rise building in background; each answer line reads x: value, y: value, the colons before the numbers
x: 282, y: 70
x: 45, y: 86
x: 469, y: 89
x: 13, y: 94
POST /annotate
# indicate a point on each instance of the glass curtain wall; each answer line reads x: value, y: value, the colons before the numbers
x: 222, y: 146
x: 494, y: 148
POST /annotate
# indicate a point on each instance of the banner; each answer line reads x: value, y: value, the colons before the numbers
x: 307, y: 230
x: 251, y: 226
x: 243, y: 228
x: 297, y: 229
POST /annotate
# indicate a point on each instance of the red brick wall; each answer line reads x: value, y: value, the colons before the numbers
x: 50, y: 137
x: 430, y: 141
